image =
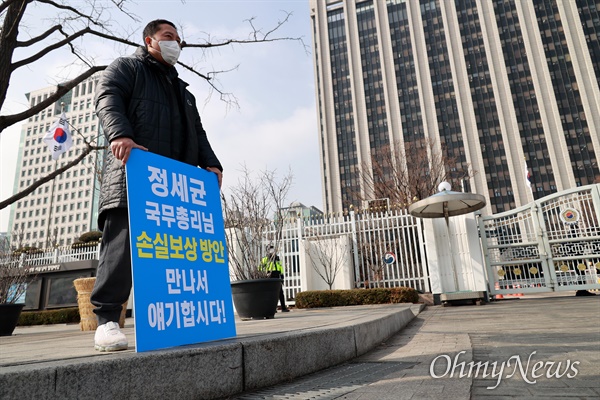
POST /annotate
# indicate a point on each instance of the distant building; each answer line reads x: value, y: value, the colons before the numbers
x: 59, y: 211
x: 299, y: 210
x: 505, y: 88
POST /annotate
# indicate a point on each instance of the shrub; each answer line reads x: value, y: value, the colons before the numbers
x: 46, y: 317
x: 91, y: 236
x: 355, y: 297
x: 27, y: 250
x: 404, y: 295
x: 88, y: 238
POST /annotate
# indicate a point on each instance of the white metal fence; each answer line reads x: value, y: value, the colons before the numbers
x: 552, y: 244
x: 372, y: 236
x: 52, y: 256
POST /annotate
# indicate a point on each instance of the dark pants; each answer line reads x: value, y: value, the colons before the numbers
x: 282, y: 297
x: 113, y: 277
x: 277, y: 274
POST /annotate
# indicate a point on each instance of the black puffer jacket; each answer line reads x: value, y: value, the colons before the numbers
x: 133, y: 100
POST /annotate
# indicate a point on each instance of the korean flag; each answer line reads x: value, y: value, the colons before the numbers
x: 58, y: 138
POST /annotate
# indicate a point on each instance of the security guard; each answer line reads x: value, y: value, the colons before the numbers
x: 272, y: 265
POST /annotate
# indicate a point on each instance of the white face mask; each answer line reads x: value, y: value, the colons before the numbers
x: 170, y: 51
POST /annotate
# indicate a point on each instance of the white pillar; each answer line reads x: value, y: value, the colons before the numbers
x: 465, y: 251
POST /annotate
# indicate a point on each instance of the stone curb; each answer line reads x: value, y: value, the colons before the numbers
x: 207, y: 371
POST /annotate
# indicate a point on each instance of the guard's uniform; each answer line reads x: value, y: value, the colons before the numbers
x: 275, y: 270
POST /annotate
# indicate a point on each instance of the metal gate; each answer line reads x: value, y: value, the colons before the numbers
x: 373, y: 235
x: 552, y: 244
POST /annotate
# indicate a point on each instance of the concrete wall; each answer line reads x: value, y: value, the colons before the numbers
x: 454, y: 248
x: 327, y: 254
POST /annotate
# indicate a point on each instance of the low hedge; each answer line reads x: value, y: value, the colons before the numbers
x: 355, y: 297
x: 46, y: 317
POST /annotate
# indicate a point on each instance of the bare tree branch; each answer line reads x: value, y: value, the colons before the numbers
x: 408, y: 171
x: 253, y: 218
x: 327, y: 256
x: 13, y: 11
x: 5, y: 4
x: 39, y: 38
x: 61, y: 90
x: 72, y: 10
x: 228, y: 98
x: 88, y: 149
x: 8, y: 42
x: 68, y: 39
x: 13, y: 279
x: 8, y: 39
x: 256, y: 36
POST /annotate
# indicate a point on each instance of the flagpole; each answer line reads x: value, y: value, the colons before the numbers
x: 62, y: 107
x: 51, y: 207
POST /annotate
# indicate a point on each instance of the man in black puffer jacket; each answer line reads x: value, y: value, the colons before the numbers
x: 141, y: 103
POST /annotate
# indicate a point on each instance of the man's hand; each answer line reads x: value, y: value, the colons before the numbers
x: 218, y: 172
x: 121, y: 148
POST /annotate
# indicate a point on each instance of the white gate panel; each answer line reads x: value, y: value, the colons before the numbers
x: 394, y: 232
x: 573, y: 238
x: 371, y: 236
x: 551, y: 244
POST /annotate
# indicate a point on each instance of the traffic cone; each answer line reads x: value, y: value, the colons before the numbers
x: 517, y: 286
x: 497, y: 296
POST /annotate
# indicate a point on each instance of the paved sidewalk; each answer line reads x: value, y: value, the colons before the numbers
x: 37, y: 345
x: 561, y: 333
x: 548, y: 331
x: 59, y: 361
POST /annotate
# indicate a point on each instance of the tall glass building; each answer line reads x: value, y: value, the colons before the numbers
x: 503, y: 87
x: 59, y: 211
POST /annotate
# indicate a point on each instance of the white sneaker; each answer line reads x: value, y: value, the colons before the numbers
x: 110, y: 338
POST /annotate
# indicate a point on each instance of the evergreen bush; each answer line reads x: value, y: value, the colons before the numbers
x: 46, y: 317
x: 355, y: 297
x: 88, y: 238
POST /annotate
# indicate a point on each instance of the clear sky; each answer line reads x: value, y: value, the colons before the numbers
x: 275, y: 126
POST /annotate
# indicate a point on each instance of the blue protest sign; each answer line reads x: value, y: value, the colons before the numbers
x: 181, y: 287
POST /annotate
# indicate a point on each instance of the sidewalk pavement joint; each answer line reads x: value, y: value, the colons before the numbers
x: 264, y: 353
x: 396, y: 363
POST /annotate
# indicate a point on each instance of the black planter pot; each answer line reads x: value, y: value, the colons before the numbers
x: 9, y: 315
x: 256, y: 298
